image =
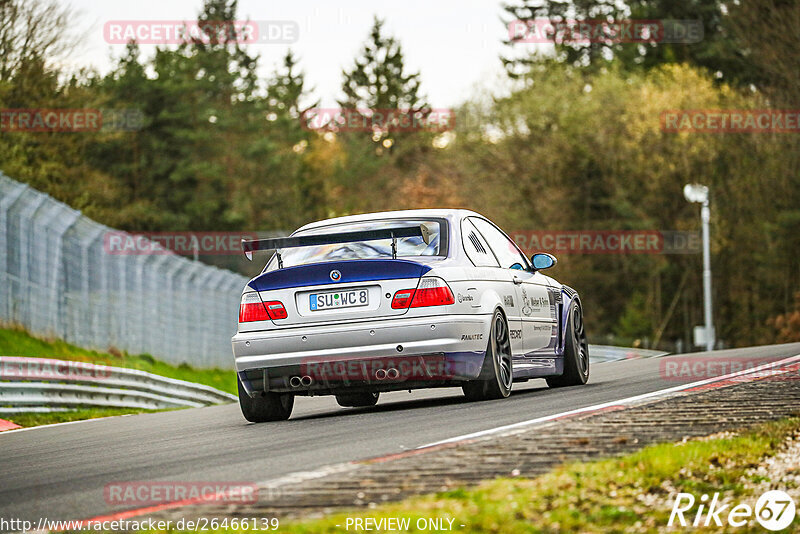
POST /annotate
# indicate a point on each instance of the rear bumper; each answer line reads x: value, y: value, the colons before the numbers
x: 422, y: 351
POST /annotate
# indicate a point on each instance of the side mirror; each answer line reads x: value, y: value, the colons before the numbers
x: 543, y: 260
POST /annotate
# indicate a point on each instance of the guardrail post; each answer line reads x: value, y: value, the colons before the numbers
x: 156, y: 325
x: 12, y: 192
x: 27, y: 221
x: 67, y: 217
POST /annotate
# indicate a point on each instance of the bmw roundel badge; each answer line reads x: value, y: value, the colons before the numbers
x: 336, y: 275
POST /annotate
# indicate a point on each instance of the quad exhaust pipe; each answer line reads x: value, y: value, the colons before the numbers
x: 298, y: 381
x: 383, y: 374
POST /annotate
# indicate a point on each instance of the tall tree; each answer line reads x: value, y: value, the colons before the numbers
x: 197, y: 109
x: 714, y: 51
x: 380, y: 92
x: 280, y: 176
x: 34, y: 29
x: 378, y: 80
x: 581, y: 53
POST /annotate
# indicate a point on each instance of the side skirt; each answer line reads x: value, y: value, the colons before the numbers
x: 538, y: 366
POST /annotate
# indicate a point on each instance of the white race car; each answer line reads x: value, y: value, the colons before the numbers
x: 402, y: 300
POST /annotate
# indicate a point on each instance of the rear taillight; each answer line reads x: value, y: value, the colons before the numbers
x: 430, y: 292
x: 251, y: 309
x: 276, y: 310
x: 402, y: 299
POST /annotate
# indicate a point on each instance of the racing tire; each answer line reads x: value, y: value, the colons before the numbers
x: 576, y: 351
x: 358, y: 400
x: 265, y: 406
x: 494, y: 381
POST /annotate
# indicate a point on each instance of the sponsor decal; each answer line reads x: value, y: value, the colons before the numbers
x: 539, y: 302
x: 526, y: 305
x: 515, y: 334
x: 471, y: 337
x: 465, y: 298
x: 508, y: 300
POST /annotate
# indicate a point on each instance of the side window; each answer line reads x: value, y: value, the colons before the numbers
x: 506, y: 251
x: 476, y: 247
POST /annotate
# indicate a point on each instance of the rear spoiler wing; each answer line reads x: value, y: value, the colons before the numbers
x: 331, y: 239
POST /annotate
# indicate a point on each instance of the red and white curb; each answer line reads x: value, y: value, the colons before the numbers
x: 7, y: 425
x: 748, y: 375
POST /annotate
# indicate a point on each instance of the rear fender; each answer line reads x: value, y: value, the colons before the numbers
x: 567, y: 296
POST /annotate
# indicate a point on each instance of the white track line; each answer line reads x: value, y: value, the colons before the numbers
x: 293, y: 478
x: 626, y: 401
x: 51, y: 425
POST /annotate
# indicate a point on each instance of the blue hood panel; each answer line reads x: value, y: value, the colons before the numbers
x: 352, y: 271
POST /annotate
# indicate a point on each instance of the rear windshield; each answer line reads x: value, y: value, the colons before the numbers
x: 407, y: 247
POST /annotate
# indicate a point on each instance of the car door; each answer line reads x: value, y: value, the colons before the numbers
x: 480, y: 254
x: 536, y: 310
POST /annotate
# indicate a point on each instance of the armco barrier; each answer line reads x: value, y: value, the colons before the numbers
x: 43, y: 384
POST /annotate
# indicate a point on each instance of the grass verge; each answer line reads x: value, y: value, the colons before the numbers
x: 17, y: 342
x: 38, y: 419
x: 631, y: 493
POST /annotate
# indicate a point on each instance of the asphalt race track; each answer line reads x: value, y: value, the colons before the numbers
x: 59, y: 472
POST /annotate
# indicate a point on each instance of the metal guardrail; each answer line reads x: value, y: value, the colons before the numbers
x: 43, y: 384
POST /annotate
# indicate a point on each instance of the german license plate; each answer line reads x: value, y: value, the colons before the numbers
x: 339, y: 299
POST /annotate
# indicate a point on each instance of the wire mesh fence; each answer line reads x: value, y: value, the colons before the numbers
x: 58, y: 279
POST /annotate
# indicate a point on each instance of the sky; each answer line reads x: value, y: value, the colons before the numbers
x: 454, y: 44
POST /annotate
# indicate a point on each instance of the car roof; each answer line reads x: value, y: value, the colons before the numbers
x: 451, y: 214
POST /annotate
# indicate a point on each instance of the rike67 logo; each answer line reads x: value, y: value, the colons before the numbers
x: 774, y: 510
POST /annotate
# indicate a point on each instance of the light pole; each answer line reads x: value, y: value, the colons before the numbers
x: 699, y: 194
